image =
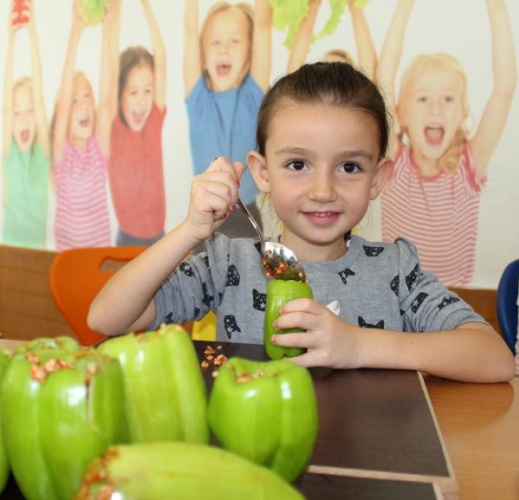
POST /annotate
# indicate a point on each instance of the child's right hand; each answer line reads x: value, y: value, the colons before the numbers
x: 213, y: 194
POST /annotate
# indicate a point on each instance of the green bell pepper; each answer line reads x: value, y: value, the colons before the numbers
x: 4, y: 463
x: 280, y: 292
x: 265, y: 412
x: 59, y: 411
x: 166, y: 396
x: 189, y: 471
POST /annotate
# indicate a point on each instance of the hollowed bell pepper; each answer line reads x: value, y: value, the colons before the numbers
x: 265, y: 412
x: 280, y: 292
x: 180, y: 470
x: 165, y: 391
x: 59, y: 411
x: 4, y: 463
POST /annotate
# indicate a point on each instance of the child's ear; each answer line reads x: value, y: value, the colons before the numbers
x: 258, y: 168
x: 382, y: 175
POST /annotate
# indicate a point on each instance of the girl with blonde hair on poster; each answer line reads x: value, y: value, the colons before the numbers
x: 26, y: 144
x: 440, y: 169
x: 81, y: 144
x: 226, y: 74
x: 136, y: 162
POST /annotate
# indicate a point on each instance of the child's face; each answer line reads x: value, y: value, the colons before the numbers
x: 81, y: 124
x: 432, y: 112
x: 226, y: 48
x: 321, y: 168
x: 137, y: 97
x: 24, y: 121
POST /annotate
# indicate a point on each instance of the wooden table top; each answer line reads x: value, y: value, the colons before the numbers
x: 479, y: 424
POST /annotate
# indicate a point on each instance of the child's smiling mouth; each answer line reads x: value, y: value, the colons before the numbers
x: 321, y: 218
x: 223, y: 68
x: 434, y: 134
x: 25, y: 135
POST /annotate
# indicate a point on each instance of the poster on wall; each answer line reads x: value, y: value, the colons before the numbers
x: 111, y: 107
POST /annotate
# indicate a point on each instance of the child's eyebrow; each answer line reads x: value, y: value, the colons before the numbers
x: 347, y: 154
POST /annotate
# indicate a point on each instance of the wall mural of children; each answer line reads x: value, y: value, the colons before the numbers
x: 136, y: 162
x: 226, y: 73
x: 440, y: 166
x: 25, y: 143
x: 81, y: 142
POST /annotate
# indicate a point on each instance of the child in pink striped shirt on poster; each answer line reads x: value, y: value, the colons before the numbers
x: 81, y: 141
x: 440, y: 169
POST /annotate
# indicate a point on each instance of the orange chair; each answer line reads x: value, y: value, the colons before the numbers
x: 76, y: 276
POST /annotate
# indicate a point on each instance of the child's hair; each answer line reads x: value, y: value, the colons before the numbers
x: 339, y: 55
x: 450, y: 159
x: 130, y: 58
x: 330, y: 83
x: 221, y: 6
x: 24, y: 80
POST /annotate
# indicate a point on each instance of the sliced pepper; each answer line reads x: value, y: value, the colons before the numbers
x: 165, y: 391
x: 265, y: 412
x: 280, y: 292
x: 180, y: 470
x: 60, y: 410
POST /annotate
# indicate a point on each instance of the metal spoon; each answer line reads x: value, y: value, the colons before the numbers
x: 279, y: 261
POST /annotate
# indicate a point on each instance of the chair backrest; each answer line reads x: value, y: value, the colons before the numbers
x: 506, y: 303
x: 76, y: 276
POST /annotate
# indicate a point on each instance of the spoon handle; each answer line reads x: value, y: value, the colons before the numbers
x: 252, y: 220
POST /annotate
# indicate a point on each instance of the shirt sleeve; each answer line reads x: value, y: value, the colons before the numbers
x: 194, y: 288
x: 425, y: 303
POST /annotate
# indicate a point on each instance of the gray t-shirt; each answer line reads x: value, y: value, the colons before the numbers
x: 378, y: 285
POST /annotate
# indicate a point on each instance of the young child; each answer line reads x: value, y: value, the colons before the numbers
x: 322, y: 138
x: 226, y: 73
x: 136, y: 165
x: 81, y: 144
x: 440, y: 169
x: 25, y: 145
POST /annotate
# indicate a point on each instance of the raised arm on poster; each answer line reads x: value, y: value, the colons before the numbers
x: 440, y: 166
x: 136, y: 164
x: 366, y: 52
x: 81, y: 142
x: 25, y: 141
x: 226, y: 73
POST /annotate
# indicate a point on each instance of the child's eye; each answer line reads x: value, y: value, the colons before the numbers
x: 296, y: 165
x: 449, y: 98
x: 422, y: 99
x: 350, y: 168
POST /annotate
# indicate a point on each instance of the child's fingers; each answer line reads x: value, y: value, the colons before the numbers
x: 233, y: 170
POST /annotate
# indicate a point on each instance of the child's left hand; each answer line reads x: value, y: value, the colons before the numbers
x: 330, y: 341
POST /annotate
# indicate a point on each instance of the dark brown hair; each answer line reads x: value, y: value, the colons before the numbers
x: 331, y: 83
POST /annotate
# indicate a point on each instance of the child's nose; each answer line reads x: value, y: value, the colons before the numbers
x: 435, y: 106
x: 322, y: 188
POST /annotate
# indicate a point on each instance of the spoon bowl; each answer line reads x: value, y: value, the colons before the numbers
x: 279, y: 261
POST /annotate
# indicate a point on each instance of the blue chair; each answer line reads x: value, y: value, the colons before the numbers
x: 506, y: 303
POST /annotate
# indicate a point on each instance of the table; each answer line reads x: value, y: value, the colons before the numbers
x: 479, y: 425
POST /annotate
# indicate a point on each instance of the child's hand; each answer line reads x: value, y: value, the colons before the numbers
x: 213, y: 195
x: 330, y: 342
